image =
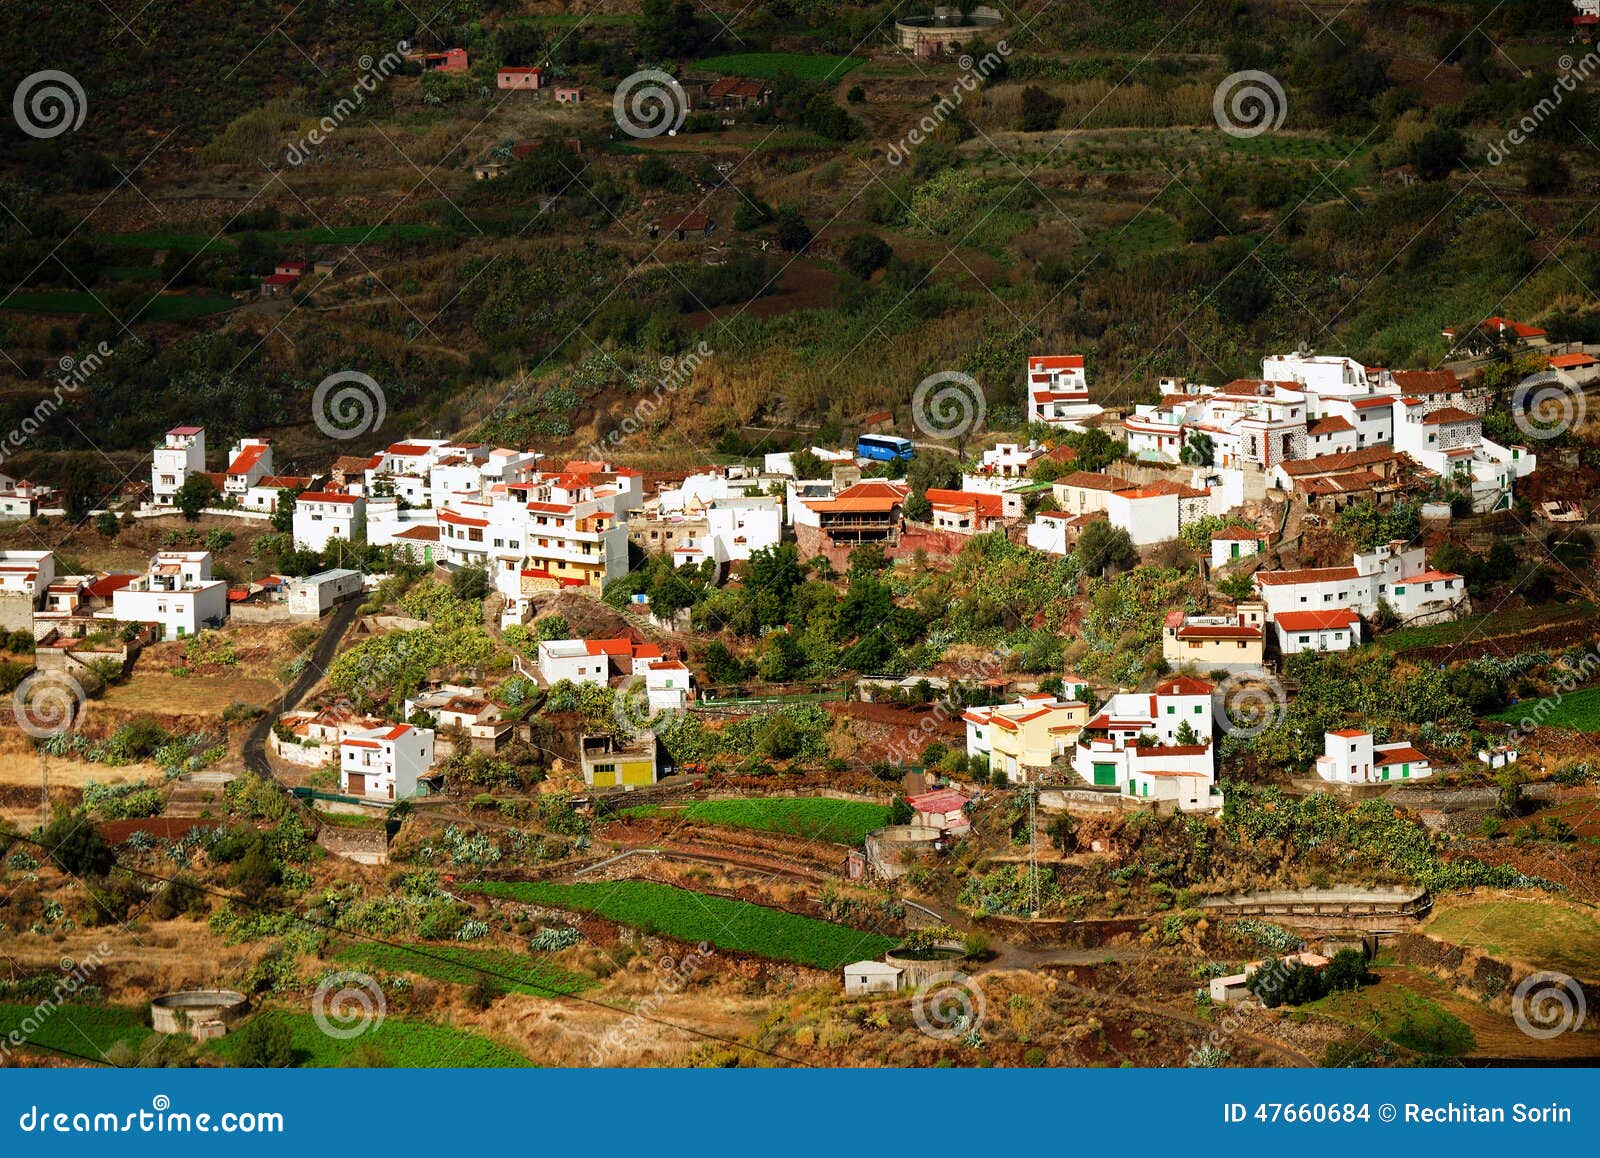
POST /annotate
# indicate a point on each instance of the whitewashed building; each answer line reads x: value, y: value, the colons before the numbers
x: 1350, y: 757
x: 385, y: 763
x: 177, y: 593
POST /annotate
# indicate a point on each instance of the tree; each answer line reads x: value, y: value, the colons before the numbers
x: 1186, y: 734
x: 1040, y: 110
x: 77, y: 847
x: 1104, y: 549
x: 794, y: 235
x: 107, y: 524
x: 80, y: 486
x: 470, y: 584
x: 865, y: 254
x: 194, y: 496
x: 264, y: 1042
x: 1198, y: 451
x: 1544, y: 173
x: 1510, y: 802
x: 900, y: 812
x: 283, y: 511
x: 1347, y: 970
x: 1437, y: 153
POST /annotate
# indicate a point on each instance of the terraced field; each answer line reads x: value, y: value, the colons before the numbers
x: 690, y: 916
x: 506, y: 971
x: 394, y: 1042
x: 815, y: 818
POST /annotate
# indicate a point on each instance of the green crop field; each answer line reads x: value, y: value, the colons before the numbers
x: 332, y: 235
x: 771, y: 65
x: 690, y: 916
x: 1579, y: 710
x: 395, y: 1042
x: 507, y: 971
x: 1544, y: 936
x: 817, y: 818
x: 79, y: 1029
x: 160, y: 308
x: 1477, y: 627
x: 1403, y: 1016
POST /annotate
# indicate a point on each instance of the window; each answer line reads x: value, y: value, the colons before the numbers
x: 1305, y: 639
x: 605, y: 767
x: 1197, y: 709
x: 1171, y: 709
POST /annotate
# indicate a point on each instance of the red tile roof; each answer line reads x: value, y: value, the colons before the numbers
x: 1184, y: 686
x: 1331, y: 425
x: 1306, y: 575
x: 1448, y: 414
x: 1315, y: 620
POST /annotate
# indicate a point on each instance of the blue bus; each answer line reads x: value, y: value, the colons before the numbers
x: 884, y: 448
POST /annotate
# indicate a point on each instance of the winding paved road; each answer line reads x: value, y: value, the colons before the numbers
x: 255, y: 744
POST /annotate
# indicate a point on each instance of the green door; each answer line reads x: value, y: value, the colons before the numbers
x: 1236, y: 550
x: 1105, y: 773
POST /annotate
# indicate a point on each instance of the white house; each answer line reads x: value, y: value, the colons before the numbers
x: 738, y: 525
x: 25, y: 577
x: 1350, y: 757
x: 591, y: 661
x: 865, y: 977
x: 1429, y: 597
x: 322, y: 516
x: 384, y: 763
x: 1235, y: 543
x: 1058, y: 391
x: 1448, y: 441
x: 311, y: 596
x: 177, y: 593
x: 181, y: 455
x: 1114, y: 749
x: 1379, y: 574
x: 1335, y: 630
x: 668, y: 683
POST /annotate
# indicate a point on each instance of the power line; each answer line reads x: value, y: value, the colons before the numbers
x: 423, y: 952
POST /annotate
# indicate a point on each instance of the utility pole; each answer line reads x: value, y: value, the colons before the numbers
x: 1032, y: 791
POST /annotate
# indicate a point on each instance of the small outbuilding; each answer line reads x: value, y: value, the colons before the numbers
x: 871, y: 977
x: 312, y: 596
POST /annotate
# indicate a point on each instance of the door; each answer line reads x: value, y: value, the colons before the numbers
x: 356, y: 784
x: 1105, y: 773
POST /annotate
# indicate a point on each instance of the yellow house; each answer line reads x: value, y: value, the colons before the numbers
x: 606, y: 764
x: 1207, y: 642
x: 1026, y: 737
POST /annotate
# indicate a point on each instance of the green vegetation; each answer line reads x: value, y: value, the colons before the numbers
x: 80, y: 1029
x: 841, y: 821
x: 1579, y: 709
x: 381, y: 234
x: 1490, y: 625
x: 507, y: 971
x: 690, y: 916
x: 1401, y: 1015
x: 396, y: 1042
x: 1372, y: 834
x: 154, y: 308
x: 772, y: 65
x: 1545, y: 936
